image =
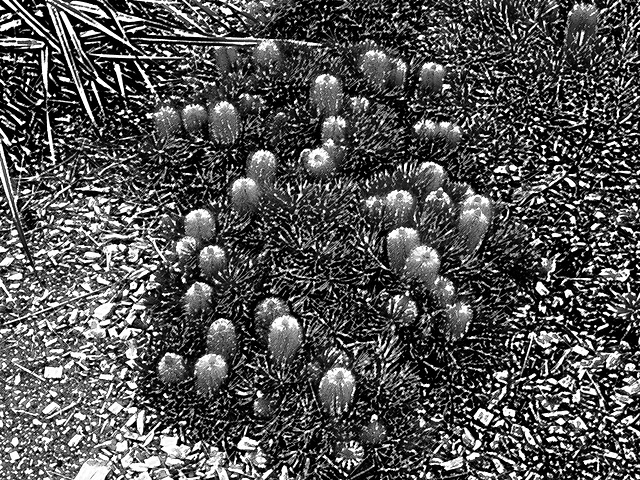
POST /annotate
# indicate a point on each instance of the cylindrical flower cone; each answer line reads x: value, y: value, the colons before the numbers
x: 375, y: 206
x: 319, y: 163
x: 210, y: 372
x: 423, y: 265
x: 582, y: 24
x: 212, y: 260
x: 168, y: 122
x: 268, y: 310
x: 224, y: 123
x: 473, y: 226
x: 199, y: 225
x: 475, y: 202
x: 444, y: 291
x: 430, y: 176
x: 400, y: 243
x: 375, y: 66
x: 198, y: 298
x: 450, y: 133
x: 432, y: 77
x: 221, y: 338
x: 359, y: 105
x: 399, y: 207
x: 336, y: 390
x: 171, y: 369
x: 438, y: 203
x: 335, y: 151
x: 245, y: 195
x: 333, y: 128
x: 285, y: 338
x: 427, y: 130
x: 326, y: 94
x: 194, y: 119
x: 458, y: 318
x: 267, y: 55
x: 374, y: 433
x: 262, y: 167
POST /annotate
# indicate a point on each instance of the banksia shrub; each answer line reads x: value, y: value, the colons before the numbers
x: 212, y: 260
x: 226, y: 58
x: 422, y: 265
x: 224, y: 123
x: 198, y: 298
x: 186, y: 248
x: 375, y: 67
x: 221, y: 338
x: 473, y: 225
x: 267, y: 55
x: 261, y: 167
x: 210, y: 372
x: 326, y: 94
x: 199, y: 225
x: 285, y: 338
x: 398, y: 73
x: 581, y: 26
x: 458, y: 317
x: 399, y: 207
x: 194, y: 119
x: 400, y: 243
x: 318, y: 162
x: 432, y: 77
x: 171, y: 369
x: 168, y: 122
x: 403, y: 309
x: 333, y: 128
x: 336, y: 390
x: 245, y: 195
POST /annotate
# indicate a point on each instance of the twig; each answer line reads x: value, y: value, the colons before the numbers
x: 68, y: 407
x: 29, y: 371
x: 526, y: 357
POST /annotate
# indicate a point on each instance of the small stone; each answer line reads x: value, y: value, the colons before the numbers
x: 104, y: 311
x: 115, y: 408
x: 49, y: 409
x: 53, y: 372
x: 153, y: 462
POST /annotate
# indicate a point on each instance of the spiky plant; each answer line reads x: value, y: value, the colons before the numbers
x: 336, y: 390
x: 285, y: 338
x: 172, y: 369
x: 210, y: 372
x: 168, y: 122
x: 221, y: 338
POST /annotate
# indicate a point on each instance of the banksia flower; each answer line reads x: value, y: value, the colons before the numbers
x: 198, y: 298
x: 581, y: 25
x: 319, y: 163
x: 359, y: 105
x: 268, y: 310
x: 422, y: 265
x: 430, y: 176
x: 444, y: 291
x: 261, y: 405
x: 473, y: 225
x: 333, y: 128
x: 403, y: 309
x: 199, y: 225
x: 375, y: 206
x: 212, y: 260
x: 168, y: 122
x: 326, y: 94
x: 458, y: 317
x: 223, y: 123
x: 475, y: 202
x: 375, y: 66
x: 336, y: 391
x: 221, y: 338
x: 210, y: 371
x: 427, y: 130
x: 431, y: 77
x: 399, y: 207
x: 335, y: 151
x: 437, y: 202
x: 267, y: 54
x: 171, y: 369
x: 226, y: 58
x: 398, y: 73
x: 245, y: 195
x: 400, y: 243
x: 186, y: 248
x: 284, y: 338
x: 194, y: 118
x: 250, y: 103
x: 450, y: 133
x: 374, y: 432
x: 261, y: 167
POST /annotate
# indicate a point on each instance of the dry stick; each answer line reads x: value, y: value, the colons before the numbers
x: 28, y: 371
x: 526, y: 357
